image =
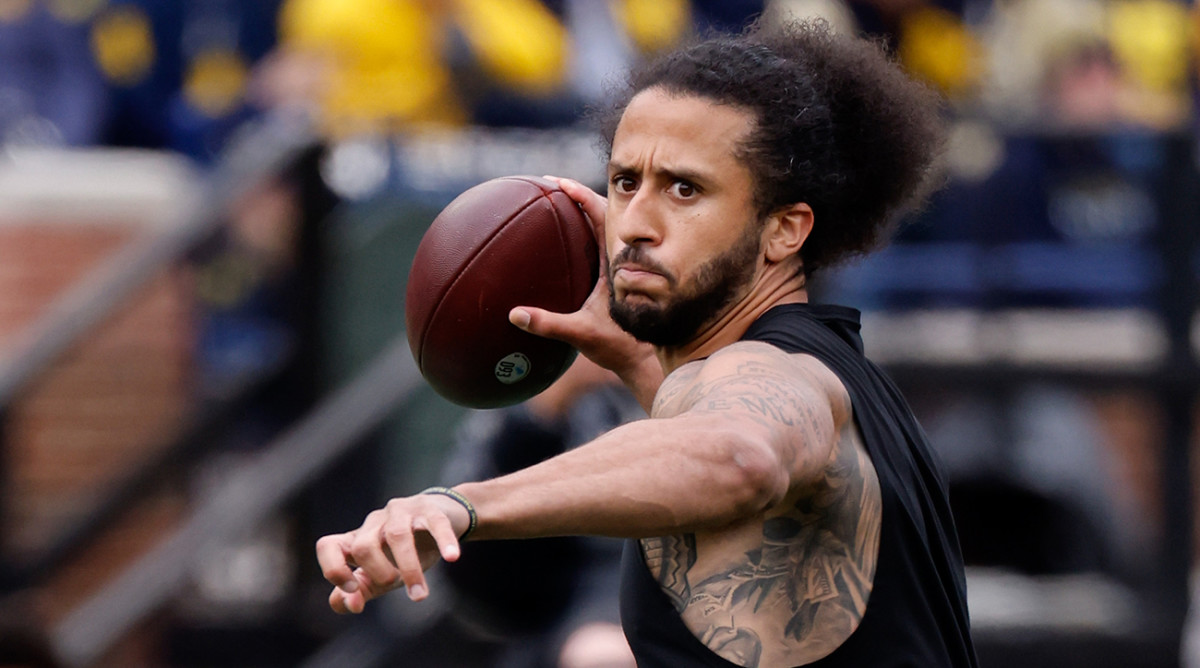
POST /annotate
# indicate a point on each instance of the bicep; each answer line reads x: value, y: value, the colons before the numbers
x: 771, y: 401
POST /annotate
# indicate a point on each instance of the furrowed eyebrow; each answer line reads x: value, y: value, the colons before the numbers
x: 680, y: 174
x: 684, y: 175
x: 617, y: 168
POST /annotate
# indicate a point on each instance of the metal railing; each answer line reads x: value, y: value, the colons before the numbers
x: 246, y: 497
x: 262, y: 149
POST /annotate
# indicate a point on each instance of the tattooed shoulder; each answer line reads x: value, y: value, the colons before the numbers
x: 678, y: 391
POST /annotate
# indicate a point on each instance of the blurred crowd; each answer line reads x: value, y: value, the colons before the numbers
x: 183, y: 75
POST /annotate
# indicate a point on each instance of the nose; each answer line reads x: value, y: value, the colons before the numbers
x: 638, y: 221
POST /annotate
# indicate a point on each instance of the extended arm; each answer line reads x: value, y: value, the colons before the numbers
x: 731, y: 437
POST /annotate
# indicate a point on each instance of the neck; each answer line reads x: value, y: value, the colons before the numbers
x: 732, y: 323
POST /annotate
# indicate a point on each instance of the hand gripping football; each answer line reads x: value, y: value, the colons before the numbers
x: 511, y: 241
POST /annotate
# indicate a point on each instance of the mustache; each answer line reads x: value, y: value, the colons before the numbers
x: 636, y: 255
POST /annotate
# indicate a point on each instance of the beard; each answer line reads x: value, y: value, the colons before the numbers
x: 680, y: 318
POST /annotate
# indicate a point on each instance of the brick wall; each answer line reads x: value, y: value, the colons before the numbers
x: 114, y: 397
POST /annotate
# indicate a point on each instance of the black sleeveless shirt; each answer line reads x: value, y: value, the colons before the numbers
x: 916, y: 616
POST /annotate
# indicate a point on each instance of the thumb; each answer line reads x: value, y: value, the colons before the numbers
x: 543, y: 323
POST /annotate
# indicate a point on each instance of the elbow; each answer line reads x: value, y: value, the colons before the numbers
x: 755, y: 478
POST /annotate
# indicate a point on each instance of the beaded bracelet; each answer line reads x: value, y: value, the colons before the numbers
x: 446, y: 491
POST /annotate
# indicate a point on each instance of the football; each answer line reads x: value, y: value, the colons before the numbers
x: 511, y: 241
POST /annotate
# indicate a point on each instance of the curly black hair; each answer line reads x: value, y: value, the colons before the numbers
x: 838, y: 125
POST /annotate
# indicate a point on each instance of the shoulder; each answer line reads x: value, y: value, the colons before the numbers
x: 751, y: 369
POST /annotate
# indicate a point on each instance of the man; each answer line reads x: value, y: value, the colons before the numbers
x: 783, y: 502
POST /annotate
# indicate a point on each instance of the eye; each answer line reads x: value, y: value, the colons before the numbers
x: 624, y: 184
x: 683, y: 189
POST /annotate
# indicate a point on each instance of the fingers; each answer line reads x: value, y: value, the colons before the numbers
x: 343, y: 602
x: 593, y: 204
x: 412, y: 558
x: 333, y: 555
x: 350, y: 593
x: 544, y: 323
x: 355, y: 602
x: 368, y: 554
x: 400, y: 538
x: 393, y: 548
x: 353, y: 587
x: 442, y: 530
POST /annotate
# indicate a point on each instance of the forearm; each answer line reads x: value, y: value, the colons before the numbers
x: 650, y: 477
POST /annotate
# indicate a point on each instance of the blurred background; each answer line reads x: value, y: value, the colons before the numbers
x: 207, y: 213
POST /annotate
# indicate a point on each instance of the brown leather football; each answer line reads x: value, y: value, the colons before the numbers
x: 511, y: 241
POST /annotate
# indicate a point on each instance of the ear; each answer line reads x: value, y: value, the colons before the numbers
x: 786, y: 230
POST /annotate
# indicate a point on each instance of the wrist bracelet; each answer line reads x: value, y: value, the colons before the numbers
x: 446, y: 491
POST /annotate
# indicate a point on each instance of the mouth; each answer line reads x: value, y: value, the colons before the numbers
x: 634, y: 270
x: 633, y: 279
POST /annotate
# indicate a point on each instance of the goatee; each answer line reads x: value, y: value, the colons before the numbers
x: 681, y: 318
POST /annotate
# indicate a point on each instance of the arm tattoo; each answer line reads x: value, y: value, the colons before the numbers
x: 770, y: 397
x: 677, y: 391
x: 802, y: 587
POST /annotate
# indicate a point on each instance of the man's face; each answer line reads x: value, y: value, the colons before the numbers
x: 683, y: 238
